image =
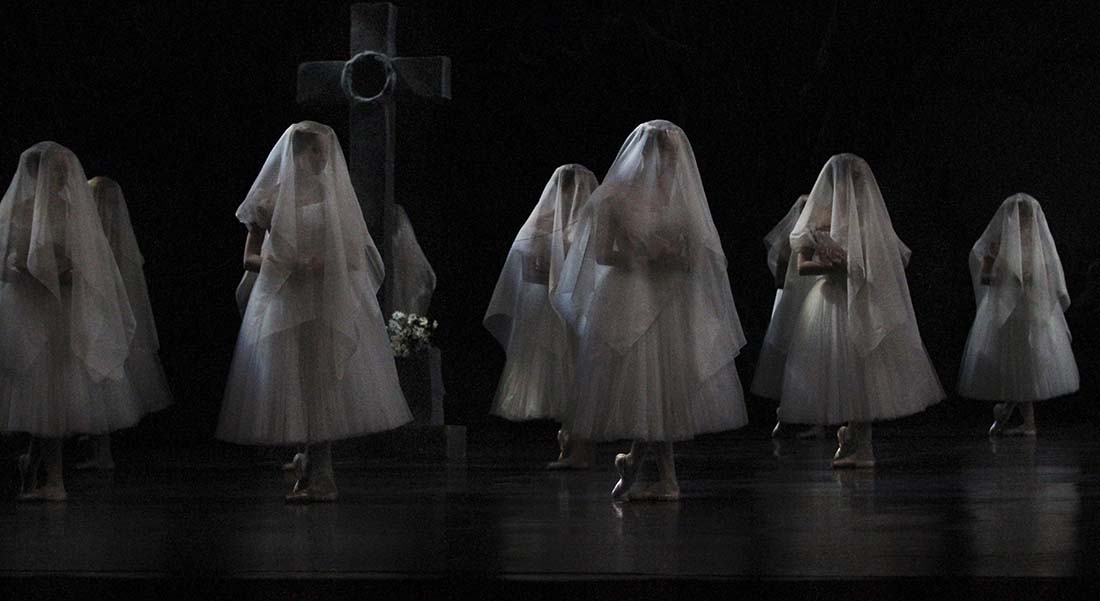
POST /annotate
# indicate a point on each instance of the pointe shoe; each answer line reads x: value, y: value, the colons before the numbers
x: 659, y: 491
x: 312, y: 494
x: 861, y: 458
x: 628, y: 471
x: 849, y: 454
x: 563, y: 441
x: 568, y: 463
x: 44, y: 493
x: 777, y: 430
x: 1001, y: 413
x: 297, y: 464
x: 577, y: 456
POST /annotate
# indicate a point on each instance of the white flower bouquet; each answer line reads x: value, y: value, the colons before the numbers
x: 409, y: 332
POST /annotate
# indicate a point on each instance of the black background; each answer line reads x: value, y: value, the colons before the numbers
x: 955, y: 106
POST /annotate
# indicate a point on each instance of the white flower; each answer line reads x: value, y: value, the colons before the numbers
x: 398, y: 315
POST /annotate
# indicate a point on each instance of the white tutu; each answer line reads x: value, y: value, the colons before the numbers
x: 283, y: 388
x: 827, y: 382
x: 767, y: 380
x: 55, y: 396
x: 673, y: 383
x: 541, y: 354
x: 538, y: 374
x: 1024, y: 359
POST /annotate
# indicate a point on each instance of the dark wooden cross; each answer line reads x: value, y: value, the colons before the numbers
x: 368, y: 84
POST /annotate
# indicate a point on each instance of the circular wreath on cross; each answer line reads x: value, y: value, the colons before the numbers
x: 368, y: 77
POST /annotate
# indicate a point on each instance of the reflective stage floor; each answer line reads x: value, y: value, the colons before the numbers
x: 942, y: 514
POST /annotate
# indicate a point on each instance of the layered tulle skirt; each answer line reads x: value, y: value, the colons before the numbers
x: 146, y: 374
x: 825, y: 381
x: 1026, y: 358
x: 671, y: 384
x: 767, y: 380
x: 538, y: 374
x: 52, y: 393
x: 284, y: 387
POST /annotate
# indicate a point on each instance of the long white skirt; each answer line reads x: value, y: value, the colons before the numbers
x: 146, y: 374
x: 1023, y: 359
x: 826, y: 382
x: 283, y: 388
x: 654, y: 391
x: 767, y: 380
x: 55, y: 395
x: 538, y: 374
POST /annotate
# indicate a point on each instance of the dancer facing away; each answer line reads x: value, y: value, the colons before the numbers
x: 646, y: 290
x: 66, y: 327
x: 313, y: 363
x: 767, y: 382
x: 537, y: 380
x: 854, y: 353
x: 142, y: 365
x: 1018, y: 351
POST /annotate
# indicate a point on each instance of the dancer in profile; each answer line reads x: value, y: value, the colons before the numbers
x: 767, y: 381
x: 645, y: 287
x: 538, y: 375
x: 66, y: 327
x: 854, y: 355
x: 313, y: 363
x: 143, y: 364
x: 1018, y: 351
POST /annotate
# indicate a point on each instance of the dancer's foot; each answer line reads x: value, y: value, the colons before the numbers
x: 49, y: 492
x: 660, y: 491
x: 861, y: 458
x: 569, y: 463
x: 777, y: 431
x: 576, y: 453
x: 563, y: 442
x: 628, y: 472
x: 1001, y: 413
x: 851, y: 454
x: 297, y: 464
x: 314, y: 493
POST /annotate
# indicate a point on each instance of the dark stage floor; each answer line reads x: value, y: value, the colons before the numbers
x: 945, y: 513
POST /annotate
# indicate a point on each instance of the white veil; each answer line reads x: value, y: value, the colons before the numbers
x: 115, y: 216
x: 539, y: 250
x: 1026, y: 267
x: 51, y: 240
x: 307, y: 163
x: 413, y: 294
x: 780, y: 235
x: 846, y: 199
x: 650, y: 218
